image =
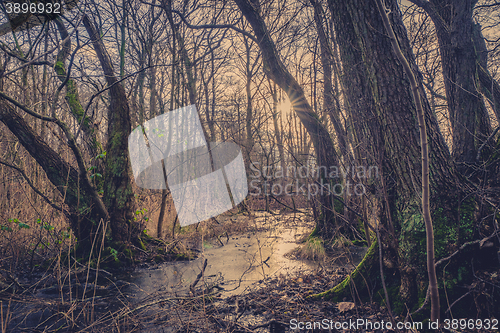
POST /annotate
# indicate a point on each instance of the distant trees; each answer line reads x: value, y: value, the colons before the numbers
x: 323, y: 144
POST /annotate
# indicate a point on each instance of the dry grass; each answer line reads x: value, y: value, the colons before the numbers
x: 313, y: 249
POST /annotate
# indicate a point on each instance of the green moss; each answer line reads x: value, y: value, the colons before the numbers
x: 59, y: 68
x: 128, y: 252
x: 359, y: 242
x: 356, y: 279
x: 466, y: 231
x: 75, y: 106
x: 74, y: 103
x: 141, y: 243
x: 338, y: 206
x: 315, y: 232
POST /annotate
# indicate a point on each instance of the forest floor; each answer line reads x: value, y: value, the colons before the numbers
x: 80, y: 299
x: 90, y: 300
x: 277, y: 305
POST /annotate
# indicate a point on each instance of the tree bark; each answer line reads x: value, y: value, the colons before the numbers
x: 431, y: 268
x: 118, y: 194
x: 379, y: 96
x: 459, y: 59
x: 323, y: 144
x: 72, y: 95
x: 330, y: 101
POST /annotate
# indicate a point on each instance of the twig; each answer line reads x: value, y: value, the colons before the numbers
x: 21, y: 171
x: 485, y: 142
x: 191, y: 287
x: 380, y: 257
x: 481, y: 241
x: 449, y: 308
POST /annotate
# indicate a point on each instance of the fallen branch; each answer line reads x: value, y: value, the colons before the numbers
x: 191, y: 287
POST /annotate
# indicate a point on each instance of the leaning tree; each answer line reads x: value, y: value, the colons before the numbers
x: 88, y: 204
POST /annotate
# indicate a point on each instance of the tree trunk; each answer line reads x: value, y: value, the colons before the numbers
x: 72, y: 96
x: 468, y: 115
x: 323, y: 144
x: 424, y: 147
x: 330, y: 101
x: 79, y: 198
x: 380, y: 105
x: 249, y: 141
x: 279, y: 134
x: 118, y: 194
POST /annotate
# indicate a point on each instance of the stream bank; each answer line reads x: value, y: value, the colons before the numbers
x: 246, y: 273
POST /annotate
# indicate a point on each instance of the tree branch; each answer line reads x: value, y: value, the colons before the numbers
x: 431, y: 10
x: 214, y: 26
x: 30, y: 183
x: 26, y: 109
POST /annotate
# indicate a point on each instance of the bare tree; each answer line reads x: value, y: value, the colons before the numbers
x: 275, y: 69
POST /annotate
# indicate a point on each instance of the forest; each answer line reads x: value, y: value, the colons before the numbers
x: 249, y: 166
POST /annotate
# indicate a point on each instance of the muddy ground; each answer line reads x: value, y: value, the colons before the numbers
x: 83, y: 300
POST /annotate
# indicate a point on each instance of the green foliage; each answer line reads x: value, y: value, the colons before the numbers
x: 467, y: 229
x: 139, y: 213
x: 8, y: 228
x: 57, y: 235
x: 101, y: 155
x: 44, y: 225
x: 113, y: 253
x: 95, y: 175
x: 5, y: 228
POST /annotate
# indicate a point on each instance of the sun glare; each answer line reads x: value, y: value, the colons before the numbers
x: 285, y: 106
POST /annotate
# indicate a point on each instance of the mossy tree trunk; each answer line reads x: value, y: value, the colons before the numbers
x: 382, y: 109
x: 72, y: 95
x: 80, y: 199
x: 118, y: 194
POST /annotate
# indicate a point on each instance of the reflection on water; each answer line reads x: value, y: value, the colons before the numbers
x: 242, y: 262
